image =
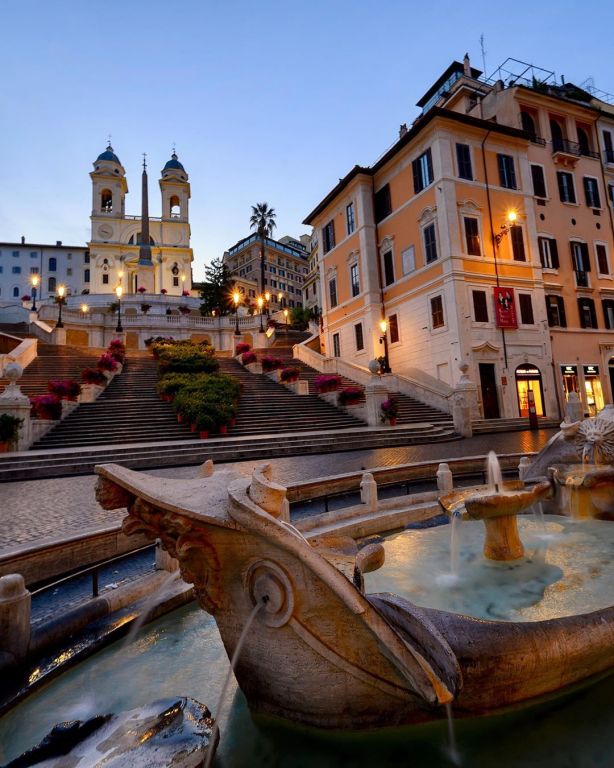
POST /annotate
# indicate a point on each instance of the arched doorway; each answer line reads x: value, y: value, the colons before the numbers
x: 529, y: 378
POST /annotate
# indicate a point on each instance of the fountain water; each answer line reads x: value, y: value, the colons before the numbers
x: 493, y: 472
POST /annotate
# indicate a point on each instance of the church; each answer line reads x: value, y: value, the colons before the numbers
x: 142, y: 254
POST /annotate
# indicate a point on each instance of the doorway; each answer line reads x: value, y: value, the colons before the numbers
x: 529, y: 378
x: 488, y: 385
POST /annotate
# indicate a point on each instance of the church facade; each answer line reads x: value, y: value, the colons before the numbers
x: 142, y: 254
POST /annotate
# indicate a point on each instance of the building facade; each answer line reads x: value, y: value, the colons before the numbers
x: 285, y: 269
x: 52, y: 265
x: 139, y: 252
x: 483, y: 236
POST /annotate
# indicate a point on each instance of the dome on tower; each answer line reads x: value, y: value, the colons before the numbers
x: 173, y: 164
x: 109, y: 155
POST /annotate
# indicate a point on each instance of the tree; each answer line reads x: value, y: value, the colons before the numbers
x: 300, y: 317
x: 216, y: 293
x: 263, y: 221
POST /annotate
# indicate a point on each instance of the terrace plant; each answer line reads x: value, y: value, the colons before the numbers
x: 289, y: 374
x: 390, y: 410
x: 350, y: 396
x: 327, y: 382
x: 190, y: 358
x: 247, y: 358
x: 106, y: 362
x: 65, y: 389
x: 46, y: 407
x: 93, y: 376
x: 242, y: 347
x: 270, y: 363
x: 145, y: 309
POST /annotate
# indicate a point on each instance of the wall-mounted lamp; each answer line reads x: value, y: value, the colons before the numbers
x: 510, y: 221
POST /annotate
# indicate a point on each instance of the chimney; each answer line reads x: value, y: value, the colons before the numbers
x: 466, y: 66
x: 58, y: 243
x: 23, y: 239
x: 402, y: 130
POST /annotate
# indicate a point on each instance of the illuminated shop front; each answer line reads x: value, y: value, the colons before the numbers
x: 529, y: 378
x: 570, y: 380
x: 592, y: 389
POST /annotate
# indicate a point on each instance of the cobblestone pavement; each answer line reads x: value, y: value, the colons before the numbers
x: 33, y: 511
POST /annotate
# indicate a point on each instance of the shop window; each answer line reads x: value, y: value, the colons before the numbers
x: 570, y: 379
x: 529, y: 388
x: 480, y: 307
x: 526, y: 309
x: 437, y: 319
x: 592, y: 389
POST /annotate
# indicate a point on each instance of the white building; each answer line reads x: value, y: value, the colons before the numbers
x: 54, y: 265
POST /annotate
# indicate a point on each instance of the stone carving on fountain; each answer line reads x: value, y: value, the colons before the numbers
x: 321, y: 651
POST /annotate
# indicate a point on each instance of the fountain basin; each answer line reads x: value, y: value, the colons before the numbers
x: 586, y: 490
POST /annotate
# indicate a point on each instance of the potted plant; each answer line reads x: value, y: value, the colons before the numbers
x: 141, y: 289
x: 270, y: 363
x: 106, y: 362
x: 185, y: 293
x: 117, y: 350
x: 145, y: 309
x: 47, y: 407
x: 184, y: 309
x: 327, y: 382
x: 204, y: 425
x: 242, y: 347
x: 350, y: 396
x: 9, y: 431
x: 390, y: 410
x: 289, y: 374
x: 65, y: 389
x: 164, y: 291
x: 25, y: 298
x: 93, y: 376
x: 248, y: 357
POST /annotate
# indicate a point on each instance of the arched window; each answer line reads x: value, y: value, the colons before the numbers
x: 15, y: 292
x: 528, y: 124
x: 51, y: 284
x: 584, y: 142
x: 558, y: 139
x: 175, y: 207
x: 86, y: 275
x: 138, y: 239
x: 106, y: 201
x: 53, y: 264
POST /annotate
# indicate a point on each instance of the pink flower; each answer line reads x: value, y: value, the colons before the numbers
x: 164, y: 291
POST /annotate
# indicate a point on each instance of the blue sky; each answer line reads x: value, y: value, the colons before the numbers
x: 266, y: 101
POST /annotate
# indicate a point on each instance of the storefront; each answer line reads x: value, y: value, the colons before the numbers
x: 592, y: 389
x: 529, y: 378
x: 570, y: 380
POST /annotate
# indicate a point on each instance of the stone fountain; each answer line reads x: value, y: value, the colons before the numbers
x: 323, y: 652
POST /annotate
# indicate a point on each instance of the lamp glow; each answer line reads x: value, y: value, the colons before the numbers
x: 84, y: 308
x: 236, y: 297
x: 267, y: 296
x: 260, y: 302
x: 61, y: 291
x: 512, y: 216
x: 383, y: 326
x: 118, y: 291
x: 35, y: 280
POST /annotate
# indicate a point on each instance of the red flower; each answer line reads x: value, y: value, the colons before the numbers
x: 164, y: 291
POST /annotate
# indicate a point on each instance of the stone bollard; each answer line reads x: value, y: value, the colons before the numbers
x: 302, y: 387
x: 368, y: 491
x: 574, y: 410
x: 14, y: 403
x: 164, y: 562
x: 375, y: 394
x: 445, y: 480
x: 206, y: 468
x: 15, y: 603
x: 523, y: 467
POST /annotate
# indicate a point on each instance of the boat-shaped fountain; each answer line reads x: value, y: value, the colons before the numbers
x: 321, y: 650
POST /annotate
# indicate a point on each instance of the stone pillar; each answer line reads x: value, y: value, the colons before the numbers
x: 464, y: 403
x: 206, y: 468
x: 375, y: 394
x: 574, y: 410
x: 445, y: 480
x: 523, y: 467
x: 368, y: 492
x: 58, y: 336
x: 15, y: 403
x: 15, y: 603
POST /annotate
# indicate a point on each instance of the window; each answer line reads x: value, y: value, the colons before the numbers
x: 332, y: 291
x: 393, y: 329
x: 430, y: 244
x: 34, y: 270
x: 526, y: 308
x: 567, y: 192
x: 16, y: 270
x: 1, y: 269
x: 175, y: 282
x: 408, y: 260
x: 539, y: 181
x: 528, y: 124
x: 584, y: 141
x: 422, y: 168
x: 591, y: 192
x: 463, y: 160
x: 586, y: 310
x: 517, y: 243
x: 580, y: 260
x: 388, y: 268
x: 53, y: 264
x: 174, y: 207
x: 555, y: 308
x: 106, y: 201
x: 86, y: 275
x: 611, y: 193
x: 437, y: 312
x: 507, y: 173
x: 548, y: 252
x: 602, y: 259
x: 472, y: 236
x: 33, y: 254
x: 15, y: 254
x: 354, y: 280
x: 608, y: 147
x: 105, y: 280
x: 282, y: 272
x: 608, y: 313
x: 556, y: 131
x: 15, y: 292
x: 349, y: 218
x: 382, y: 203
x: 69, y: 256
x: 336, y: 345
x: 51, y: 283
x: 360, y: 343
x: 69, y: 272
x: 328, y: 237
x: 86, y: 257
x: 480, y: 307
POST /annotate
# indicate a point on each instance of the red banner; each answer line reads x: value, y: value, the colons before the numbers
x: 505, y: 308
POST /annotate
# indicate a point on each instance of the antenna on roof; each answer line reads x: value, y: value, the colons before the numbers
x: 483, y: 49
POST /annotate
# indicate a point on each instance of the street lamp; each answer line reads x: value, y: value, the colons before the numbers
x: 510, y: 221
x: 279, y: 298
x: 61, y: 294
x: 286, y: 319
x: 383, y: 339
x: 236, y: 297
x: 260, y: 302
x: 267, y: 298
x: 84, y: 309
x: 118, y: 292
x: 35, y: 280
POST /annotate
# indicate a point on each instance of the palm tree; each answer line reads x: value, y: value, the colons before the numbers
x: 263, y: 221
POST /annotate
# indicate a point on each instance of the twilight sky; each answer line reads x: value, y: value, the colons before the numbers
x: 269, y: 101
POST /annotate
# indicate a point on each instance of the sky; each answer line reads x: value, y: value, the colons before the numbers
x: 268, y: 101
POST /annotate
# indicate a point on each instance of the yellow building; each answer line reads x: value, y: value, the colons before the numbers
x: 482, y: 236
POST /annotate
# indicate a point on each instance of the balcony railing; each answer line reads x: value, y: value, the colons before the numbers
x: 534, y: 139
x: 567, y: 147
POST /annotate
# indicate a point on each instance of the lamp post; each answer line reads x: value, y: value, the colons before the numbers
x: 35, y: 280
x: 383, y: 339
x: 61, y: 294
x: 279, y: 298
x: 267, y: 298
x: 236, y: 297
x: 286, y: 319
x: 260, y: 302
x: 118, y: 292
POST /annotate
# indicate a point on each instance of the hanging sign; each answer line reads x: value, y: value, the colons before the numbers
x: 505, y: 308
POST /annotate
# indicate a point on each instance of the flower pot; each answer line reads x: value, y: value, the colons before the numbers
x: 4, y: 447
x: 192, y: 427
x: 179, y: 417
x: 233, y: 421
x: 223, y: 429
x: 393, y: 422
x: 203, y: 434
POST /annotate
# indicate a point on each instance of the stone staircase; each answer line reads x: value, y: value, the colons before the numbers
x: 492, y: 426
x: 411, y: 411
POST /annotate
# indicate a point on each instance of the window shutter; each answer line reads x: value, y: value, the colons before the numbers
x: 501, y: 163
x: 429, y: 164
x: 554, y: 253
x: 586, y: 261
x: 415, y: 167
x: 587, y: 192
x: 562, y: 318
x: 539, y: 184
x: 575, y: 264
x: 559, y: 178
x: 518, y: 244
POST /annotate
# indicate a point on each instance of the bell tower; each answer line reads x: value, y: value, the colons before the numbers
x: 109, y: 186
x: 175, y: 190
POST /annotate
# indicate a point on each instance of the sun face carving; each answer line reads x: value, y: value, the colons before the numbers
x: 594, y: 439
